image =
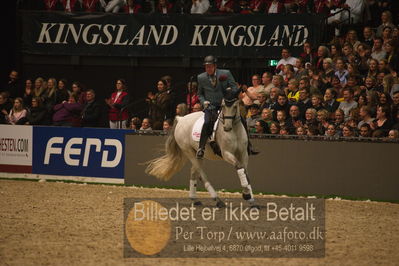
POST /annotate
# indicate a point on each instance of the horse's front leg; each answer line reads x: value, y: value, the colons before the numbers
x: 242, y: 175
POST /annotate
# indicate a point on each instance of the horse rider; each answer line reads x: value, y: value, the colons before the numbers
x: 213, y: 85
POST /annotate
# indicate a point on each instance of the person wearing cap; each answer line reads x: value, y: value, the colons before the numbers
x: 213, y: 85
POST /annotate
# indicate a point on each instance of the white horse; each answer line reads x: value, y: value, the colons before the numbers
x: 232, y: 139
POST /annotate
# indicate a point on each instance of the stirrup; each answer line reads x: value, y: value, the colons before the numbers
x: 200, y: 153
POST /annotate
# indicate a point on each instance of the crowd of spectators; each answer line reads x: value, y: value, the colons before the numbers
x: 348, y: 87
x: 360, y: 10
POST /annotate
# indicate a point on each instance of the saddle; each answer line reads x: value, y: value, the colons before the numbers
x: 196, y: 134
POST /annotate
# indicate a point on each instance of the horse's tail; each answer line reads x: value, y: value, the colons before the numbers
x: 166, y: 166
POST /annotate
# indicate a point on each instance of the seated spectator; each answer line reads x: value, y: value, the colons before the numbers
x: 71, y: 5
x: 308, y: 54
x: 274, y: 7
x: 39, y: 89
x: 322, y: 53
x: 281, y: 104
x: 146, y: 125
x: 181, y: 109
x: 340, y: 71
x: 135, y: 123
x: 365, y: 131
x: 386, y: 21
x: 294, y: 120
x: 267, y: 116
x: 373, y: 69
x: 132, y: 7
x: 365, y: 115
x: 393, y: 134
x: 278, y: 82
x: 17, y: 113
x: 62, y: 93
x: 362, y: 100
x: 257, y: 6
x: 164, y: 7
x: 392, y: 56
x: 274, y: 128
x: 28, y: 93
x: 293, y: 91
x: 77, y: 89
x: 91, y: 114
x: 281, y: 118
x: 301, y: 71
x: 192, y: 97
x: 330, y: 100
x: 348, y: 132
x: 377, y: 52
x: 197, y: 107
x: 286, y: 58
x: 304, y: 101
x: 385, y: 99
x: 261, y: 127
x: 113, y: 6
x: 368, y: 36
x: 331, y: 131
x: 250, y: 94
x: 243, y: 8
x: 91, y: 6
x: 261, y: 100
x: 311, y: 130
x: 382, y: 121
x: 52, y: 5
x: 38, y: 114
x: 253, y: 116
x: 5, y: 107
x: 323, y: 120
x: 199, y: 6
x: 348, y: 103
x: 267, y: 84
x: 301, y: 131
x: 167, y: 125
x: 283, y: 131
x: 310, y: 118
x: 68, y: 114
x: 317, y: 102
x: 335, y: 51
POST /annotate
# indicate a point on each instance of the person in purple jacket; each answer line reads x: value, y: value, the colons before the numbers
x: 68, y: 113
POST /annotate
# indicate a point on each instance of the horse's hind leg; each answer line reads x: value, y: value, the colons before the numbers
x: 194, y: 176
x: 201, y: 175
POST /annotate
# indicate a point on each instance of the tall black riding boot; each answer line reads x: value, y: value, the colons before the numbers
x: 251, y: 150
x: 202, y: 143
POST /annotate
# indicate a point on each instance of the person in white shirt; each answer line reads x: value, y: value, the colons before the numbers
x: 286, y: 59
x: 199, y: 6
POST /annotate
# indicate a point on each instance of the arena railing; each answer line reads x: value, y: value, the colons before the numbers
x: 290, y: 137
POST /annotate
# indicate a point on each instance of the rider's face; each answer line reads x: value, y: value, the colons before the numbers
x: 210, y: 69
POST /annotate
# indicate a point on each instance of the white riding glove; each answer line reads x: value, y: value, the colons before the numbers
x: 206, y: 104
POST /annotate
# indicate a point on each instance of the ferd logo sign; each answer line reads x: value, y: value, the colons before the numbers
x: 78, y: 151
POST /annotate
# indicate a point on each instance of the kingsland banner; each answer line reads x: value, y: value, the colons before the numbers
x: 142, y: 35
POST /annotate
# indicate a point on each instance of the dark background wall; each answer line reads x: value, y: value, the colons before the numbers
x: 284, y: 166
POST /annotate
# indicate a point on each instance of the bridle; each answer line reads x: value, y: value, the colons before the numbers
x: 234, y: 117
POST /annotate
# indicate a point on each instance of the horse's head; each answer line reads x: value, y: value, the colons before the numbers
x: 230, y: 113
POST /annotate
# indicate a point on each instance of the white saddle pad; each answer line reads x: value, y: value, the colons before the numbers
x: 196, y: 132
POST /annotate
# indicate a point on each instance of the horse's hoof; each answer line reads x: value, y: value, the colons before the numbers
x: 246, y: 196
x: 220, y: 204
x: 197, y: 203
